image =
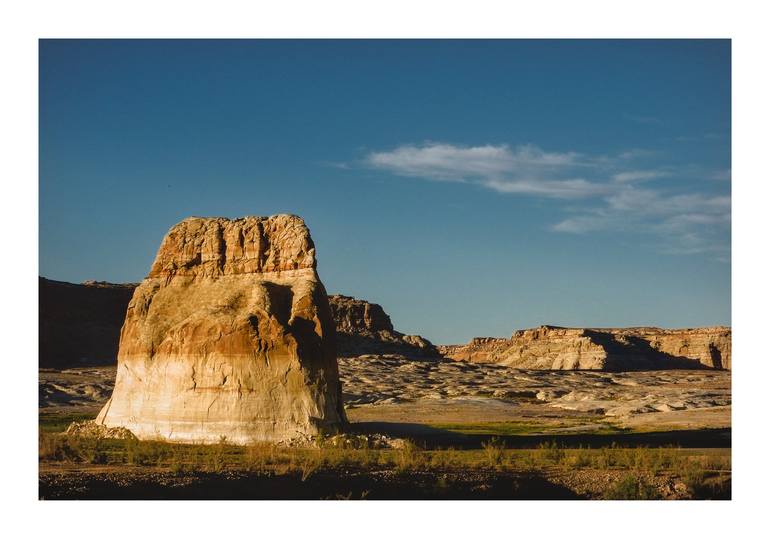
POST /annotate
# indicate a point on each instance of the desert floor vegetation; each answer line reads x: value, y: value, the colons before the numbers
x: 630, y: 472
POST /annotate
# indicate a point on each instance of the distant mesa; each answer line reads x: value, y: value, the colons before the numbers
x: 610, y: 349
x: 364, y: 328
x: 229, y: 336
x: 79, y: 324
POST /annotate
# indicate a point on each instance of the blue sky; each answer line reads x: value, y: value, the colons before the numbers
x: 470, y: 187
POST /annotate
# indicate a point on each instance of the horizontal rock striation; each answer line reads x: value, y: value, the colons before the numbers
x: 80, y: 323
x: 230, y: 335
x: 613, y: 349
x: 364, y: 328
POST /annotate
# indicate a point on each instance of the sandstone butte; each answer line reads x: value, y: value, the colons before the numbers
x: 365, y: 328
x: 229, y: 335
x: 611, y: 349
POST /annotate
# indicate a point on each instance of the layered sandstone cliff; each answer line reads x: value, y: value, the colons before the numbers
x: 365, y: 328
x: 549, y: 347
x: 230, y: 335
x: 80, y: 323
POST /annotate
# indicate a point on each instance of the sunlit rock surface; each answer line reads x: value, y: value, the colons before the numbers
x: 549, y: 347
x: 230, y: 335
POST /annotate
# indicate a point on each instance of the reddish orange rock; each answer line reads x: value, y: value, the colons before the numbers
x: 230, y: 335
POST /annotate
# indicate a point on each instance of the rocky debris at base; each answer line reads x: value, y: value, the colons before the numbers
x: 92, y: 429
x: 362, y: 441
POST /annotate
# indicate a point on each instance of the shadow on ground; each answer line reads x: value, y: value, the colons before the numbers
x: 434, y: 438
x: 350, y: 484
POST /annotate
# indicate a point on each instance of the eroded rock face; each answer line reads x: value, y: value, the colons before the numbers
x: 365, y: 328
x: 230, y: 335
x: 549, y: 347
x: 353, y: 315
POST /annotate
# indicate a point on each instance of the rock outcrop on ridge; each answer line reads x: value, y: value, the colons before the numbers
x: 80, y: 323
x: 614, y: 349
x: 364, y: 328
x: 230, y: 335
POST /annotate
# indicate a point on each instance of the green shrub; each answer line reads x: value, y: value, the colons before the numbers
x: 551, y: 452
x: 216, y: 455
x: 408, y: 457
x: 694, y: 477
x: 494, y: 451
x: 581, y: 458
x: 631, y: 487
x: 56, y: 447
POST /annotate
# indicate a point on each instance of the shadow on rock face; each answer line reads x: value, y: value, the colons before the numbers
x: 280, y: 298
x: 635, y: 353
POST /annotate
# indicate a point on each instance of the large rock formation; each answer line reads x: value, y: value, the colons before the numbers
x: 365, y: 328
x: 549, y: 347
x: 80, y: 323
x: 230, y: 335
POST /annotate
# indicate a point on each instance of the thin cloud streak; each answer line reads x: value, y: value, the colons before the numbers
x: 638, y: 175
x: 607, y: 186
x: 684, y: 224
x: 571, y: 188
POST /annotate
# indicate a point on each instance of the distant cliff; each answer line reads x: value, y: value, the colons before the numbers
x: 80, y: 323
x: 365, y: 328
x: 549, y: 347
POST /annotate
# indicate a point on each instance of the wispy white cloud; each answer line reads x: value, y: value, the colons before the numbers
x: 638, y: 175
x: 636, y: 153
x: 606, y: 189
x: 689, y: 223
x: 571, y: 188
x: 523, y: 169
x: 448, y: 162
